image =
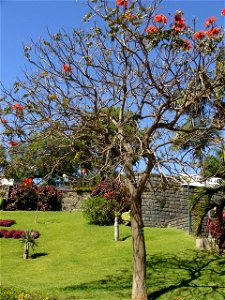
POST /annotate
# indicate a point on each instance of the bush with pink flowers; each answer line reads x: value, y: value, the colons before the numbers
x: 28, y: 196
x: 7, y: 223
x: 16, y: 234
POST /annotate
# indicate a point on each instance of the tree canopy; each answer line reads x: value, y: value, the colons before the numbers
x: 130, y: 57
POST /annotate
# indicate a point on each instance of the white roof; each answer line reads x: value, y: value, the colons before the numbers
x: 4, y: 181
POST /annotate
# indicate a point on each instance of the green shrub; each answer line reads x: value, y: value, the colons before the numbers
x: 108, y: 198
x: 98, y: 210
x: 8, y: 294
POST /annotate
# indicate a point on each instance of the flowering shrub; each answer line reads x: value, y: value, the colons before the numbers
x: 16, y: 234
x: 107, y: 199
x: 217, y: 230
x: 7, y: 223
x: 2, y: 231
x: 8, y: 234
x: 49, y: 198
x: 28, y: 196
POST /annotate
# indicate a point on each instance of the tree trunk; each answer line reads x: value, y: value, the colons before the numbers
x: 139, y: 289
x: 25, y: 253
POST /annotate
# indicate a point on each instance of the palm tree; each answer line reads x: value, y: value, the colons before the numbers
x: 29, y: 242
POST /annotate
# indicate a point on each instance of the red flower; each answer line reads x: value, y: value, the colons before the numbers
x: 213, y: 31
x: 210, y: 21
x: 129, y: 16
x: 160, y: 18
x: 17, y: 107
x: 199, y: 35
x: 66, y: 68
x: 4, y: 121
x: 106, y: 195
x: 223, y: 12
x: 13, y: 143
x: 187, y: 45
x: 122, y: 3
x: 27, y: 181
x: 180, y: 24
x: 151, y: 28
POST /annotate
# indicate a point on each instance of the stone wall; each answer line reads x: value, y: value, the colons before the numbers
x: 72, y: 200
x: 163, y: 204
x: 166, y: 204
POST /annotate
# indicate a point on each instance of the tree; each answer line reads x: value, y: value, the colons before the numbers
x: 41, y: 156
x: 3, y: 161
x: 128, y: 58
x: 29, y: 242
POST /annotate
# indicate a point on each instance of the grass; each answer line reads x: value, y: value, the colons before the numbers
x: 75, y: 260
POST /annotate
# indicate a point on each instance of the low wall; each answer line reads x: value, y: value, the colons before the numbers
x: 163, y: 205
x: 72, y: 200
x: 166, y: 204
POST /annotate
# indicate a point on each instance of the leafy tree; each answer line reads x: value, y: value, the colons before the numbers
x: 214, y: 165
x: 3, y: 160
x: 127, y: 59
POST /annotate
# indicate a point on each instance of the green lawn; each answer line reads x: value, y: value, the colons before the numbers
x: 75, y: 260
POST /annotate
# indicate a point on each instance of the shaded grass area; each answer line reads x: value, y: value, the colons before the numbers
x: 75, y: 260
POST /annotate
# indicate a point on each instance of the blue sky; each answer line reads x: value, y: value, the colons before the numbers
x: 21, y: 20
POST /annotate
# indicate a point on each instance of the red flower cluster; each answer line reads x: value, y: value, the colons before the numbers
x: 66, y: 68
x: 210, y: 21
x: 13, y: 143
x: 160, y: 19
x: 28, y: 181
x: 129, y: 16
x: 199, y: 35
x: 109, y: 195
x: 223, y: 12
x: 17, y: 107
x: 7, y: 223
x: 213, y: 31
x: 123, y: 3
x: 179, y: 22
x: 151, y: 28
x: 186, y: 45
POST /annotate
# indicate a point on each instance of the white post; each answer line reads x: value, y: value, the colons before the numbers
x: 116, y: 229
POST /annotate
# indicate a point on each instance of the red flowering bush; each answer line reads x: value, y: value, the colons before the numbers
x: 2, y: 231
x: 16, y: 234
x: 7, y: 223
x: 8, y: 234
x: 49, y: 198
x: 28, y: 196
x: 217, y: 230
x: 107, y: 199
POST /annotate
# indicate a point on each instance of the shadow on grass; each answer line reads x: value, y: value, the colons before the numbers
x: 195, y: 274
x: 125, y: 238
x: 191, y: 275
x: 118, y: 285
x: 36, y: 255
